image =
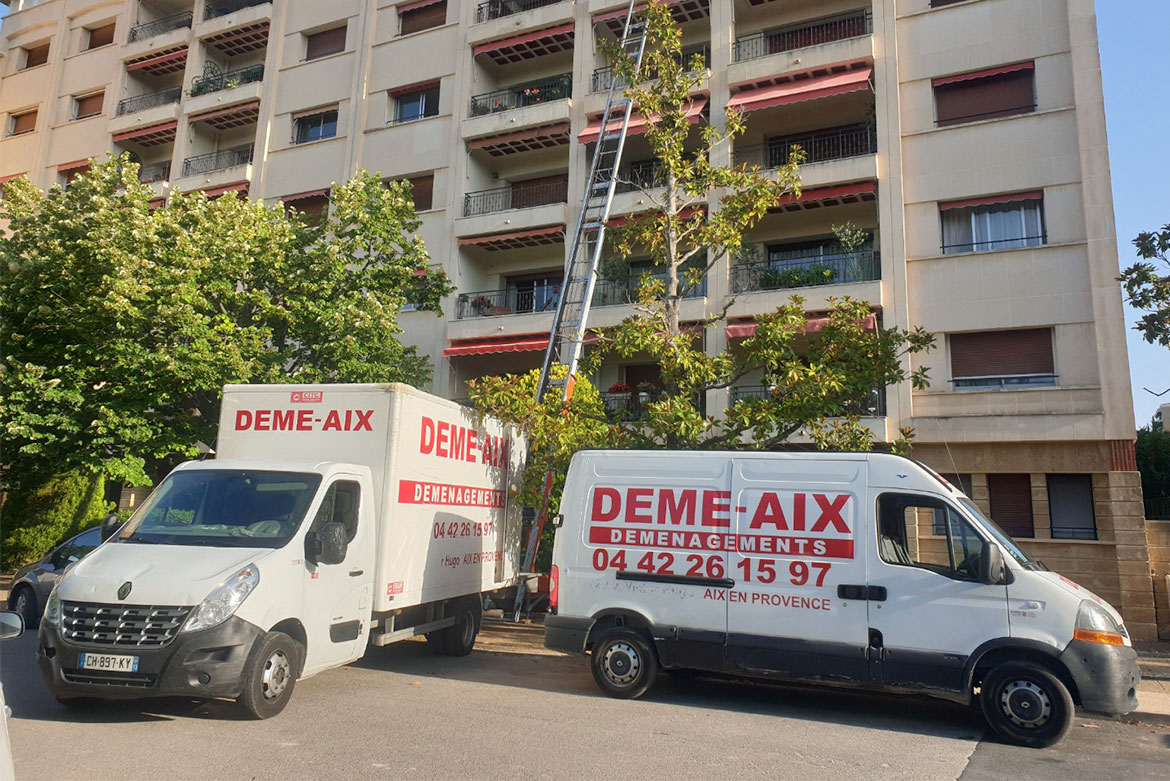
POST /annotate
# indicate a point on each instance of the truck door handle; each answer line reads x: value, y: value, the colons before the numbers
x: 860, y: 593
x: 353, y: 573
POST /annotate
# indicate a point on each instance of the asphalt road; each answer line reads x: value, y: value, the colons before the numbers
x: 512, y: 710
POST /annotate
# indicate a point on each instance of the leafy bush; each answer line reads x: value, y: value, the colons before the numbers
x: 774, y: 279
x: 35, y: 520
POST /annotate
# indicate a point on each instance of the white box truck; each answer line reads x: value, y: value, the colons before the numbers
x: 847, y: 569
x: 332, y: 516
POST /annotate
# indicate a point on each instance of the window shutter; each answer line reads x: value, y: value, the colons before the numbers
x: 424, y: 192
x: 324, y: 43
x: 90, y: 105
x: 1011, y: 503
x: 1001, y: 353
x: 23, y: 123
x: 101, y: 36
x: 985, y: 98
x: 37, y: 55
x: 418, y: 19
x: 1070, y: 507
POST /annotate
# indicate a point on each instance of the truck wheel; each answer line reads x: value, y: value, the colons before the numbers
x: 460, y: 639
x: 271, y: 676
x: 24, y: 601
x: 624, y: 664
x: 1025, y: 704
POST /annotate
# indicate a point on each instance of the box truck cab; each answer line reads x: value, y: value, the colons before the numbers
x: 850, y: 569
x: 333, y: 516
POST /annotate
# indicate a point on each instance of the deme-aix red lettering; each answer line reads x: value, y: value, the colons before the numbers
x: 459, y: 443
x: 811, y: 512
x: 303, y: 420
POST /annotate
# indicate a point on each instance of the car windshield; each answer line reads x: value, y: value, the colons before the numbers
x: 1005, y: 542
x: 223, y: 508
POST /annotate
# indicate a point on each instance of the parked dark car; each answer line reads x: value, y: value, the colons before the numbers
x: 32, y: 583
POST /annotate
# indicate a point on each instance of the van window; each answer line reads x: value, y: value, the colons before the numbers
x: 904, y: 523
x: 340, y: 505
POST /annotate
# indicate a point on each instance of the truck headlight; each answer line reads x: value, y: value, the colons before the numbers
x: 222, y: 603
x: 53, y: 607
x: 1095, y: 625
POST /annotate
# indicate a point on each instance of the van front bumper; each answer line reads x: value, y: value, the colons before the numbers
x: 205, y: 663
x: 566, y: 634
x: 1107, y: 676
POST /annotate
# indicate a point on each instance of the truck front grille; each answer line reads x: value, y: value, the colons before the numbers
x: 125, y: 625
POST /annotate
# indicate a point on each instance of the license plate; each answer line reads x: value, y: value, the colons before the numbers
x: 109, y: 662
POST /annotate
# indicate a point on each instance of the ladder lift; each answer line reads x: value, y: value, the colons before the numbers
x: 568, y: 329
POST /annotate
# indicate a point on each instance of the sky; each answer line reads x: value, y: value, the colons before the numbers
x: 1132, y: 36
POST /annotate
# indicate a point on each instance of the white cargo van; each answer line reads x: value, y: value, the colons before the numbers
x: 333, y: 515
x: 849, y: 569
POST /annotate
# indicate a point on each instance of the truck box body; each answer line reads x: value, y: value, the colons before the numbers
x: 444, y: 482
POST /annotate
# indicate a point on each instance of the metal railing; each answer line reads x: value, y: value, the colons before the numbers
x: 518, y: 196
x: 159, y: 26
x: 599, y: 82
x: 798, y: 36
x: 872, y: 406
x: 998, y: 244
x: 618, y: 292
x: 781, y: 274
x: 1073, y: 532
x: 497, y: 9
x: 150, y: 100
x: 158, y: 172
x: 205, y: 85
x: 497, y: 303
x: 530, y: 94
x: 216, y: 10
x: 817, y: 147
x: 642, y: 175
x: 631, y: 406
x: 218, y: 161
x: 1005, y: 382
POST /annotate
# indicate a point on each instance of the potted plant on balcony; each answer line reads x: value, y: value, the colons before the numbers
x: 853, y: 241
x: 480, y: 305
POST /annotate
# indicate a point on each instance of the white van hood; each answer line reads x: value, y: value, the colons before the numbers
x: 170, y: 575
x: 1080, y: 592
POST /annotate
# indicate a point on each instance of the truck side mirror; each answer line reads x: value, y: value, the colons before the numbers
x: 110, y: 524
x: 991, y: 569
x: 332, y: 543
x: 11, y: 624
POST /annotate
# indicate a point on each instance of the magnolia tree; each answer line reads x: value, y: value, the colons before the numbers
x: 1147, y: 285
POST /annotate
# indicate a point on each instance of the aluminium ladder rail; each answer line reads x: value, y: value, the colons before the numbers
x: 568, y: 330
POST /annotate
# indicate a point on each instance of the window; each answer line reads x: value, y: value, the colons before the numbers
x: 340, y: 505
x: 1002, y: 359
x: 315, y: 208
x: 537, y: 293
x: 416, y: 104
x: 315, y: 126
x: 423, y: 188
x: 325, y: 43
x: 961, y: 482
x: 993, y: 223
x: 1000, y: 92
x: 900, y: 516
x: 99, y: 36
x: 416, y: 17
x: 24, y: 122
x: 88, y: 105
x: 941, y: 3
x: 35, y: 55
x: 1011, y: 503
x: 70, y: 174
x: 1070, y: 507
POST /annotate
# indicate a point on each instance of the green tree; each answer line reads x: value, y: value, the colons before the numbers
x: 1147, y: 285
x: 816, y: 385
x: 37, y: 519
x: 1153, y: 462
x: 122, y: 322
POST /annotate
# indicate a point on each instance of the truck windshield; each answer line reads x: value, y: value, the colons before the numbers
x: 223, y: 508
x: 992, y: 528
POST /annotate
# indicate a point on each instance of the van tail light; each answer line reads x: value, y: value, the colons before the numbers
x: 554, y: 581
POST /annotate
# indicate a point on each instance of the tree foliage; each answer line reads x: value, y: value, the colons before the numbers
x: 1147, y: 285
x: 1153, y: 462
x: 123, y: 321
x: 37, y: 518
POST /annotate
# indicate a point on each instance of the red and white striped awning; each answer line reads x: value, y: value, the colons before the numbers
x: 836, y: 195
x: 553, y: 234
x: 512, y: 344
x: 742, y: 329
x: 638, y: 123
x: 152, y: 135
x: 215, y: 192
x: 544, y: 137
x: 160, y: 63
x: 991, y: 200
x: 798, y: 90
x: 983, y: 74
x: 522, y: 48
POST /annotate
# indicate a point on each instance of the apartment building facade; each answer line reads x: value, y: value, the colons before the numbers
x: 966, y: 137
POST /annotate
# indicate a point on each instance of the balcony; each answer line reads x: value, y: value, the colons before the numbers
x: 159, y: 26
x: 809, y: 271
x: 838, y: 144
x: 206, y: 85
x: 517, y: 196
x: 218, y: 161
x: 513, y: 301
x: 150, y: 100
x: 602, y: 77
x: 622, y: 292
x: 873, y: 406
x: 630, y: 406
x: 498, y: 9
x: 799, y: 36
x: 1006, y: 382
x: 216, y: 10
x: 641, y: 175
x: 523, y: 95
x: 158, y: 172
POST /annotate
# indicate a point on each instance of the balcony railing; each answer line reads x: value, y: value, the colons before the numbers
x: 513, y: 301
x: 781, y: 274
x: 1004, y: 382
x: 206, y: 85
x: 216, y: 10
x: 150, y: 100
x: 218, y: 161
x: 798, y: 36
x: 518, y: 196
x: 618, y: 292
x: 872, y: 406
x: 631, y: 406
x: 497, y: 9
x: 601, y: 78
x: 150, y: 29
x: 642, y: 175
x: 818, y: 147
x: 520, y: 96
x: 158, y: 172
x: 991, y: 245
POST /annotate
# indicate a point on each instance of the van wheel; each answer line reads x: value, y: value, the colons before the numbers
x: 271, y: 676
x: 1026, y: 704
x: 624, y: 664
x: 458, y: 640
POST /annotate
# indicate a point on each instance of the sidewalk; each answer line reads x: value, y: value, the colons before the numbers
x: 1154, y: 691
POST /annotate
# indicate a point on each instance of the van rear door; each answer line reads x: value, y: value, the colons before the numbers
x: 801, y: 531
